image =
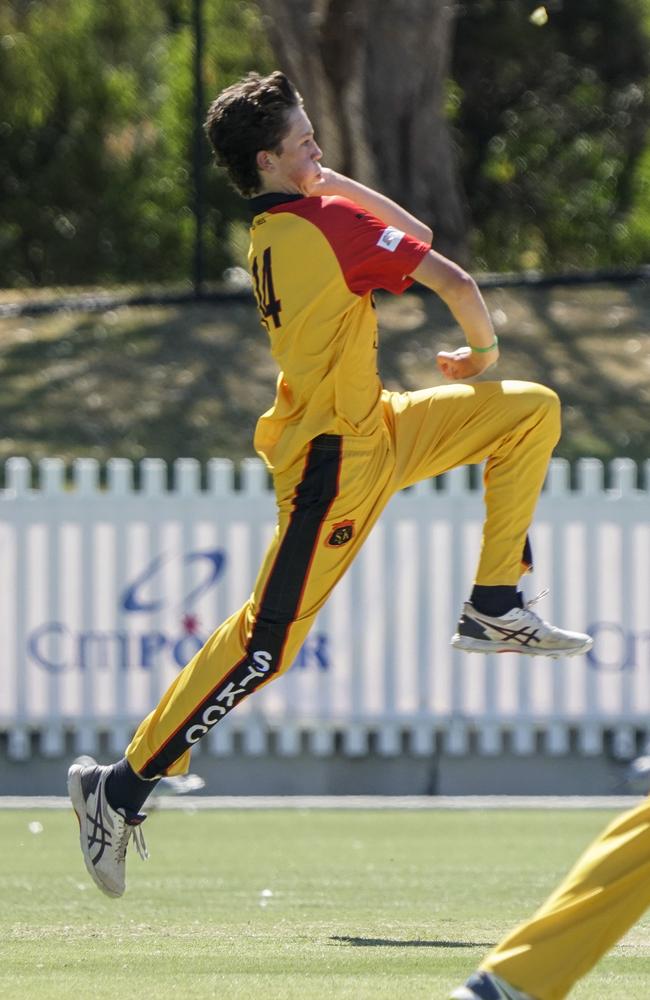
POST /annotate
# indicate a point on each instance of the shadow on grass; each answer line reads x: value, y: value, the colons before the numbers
x: 192, y: 380
x: 165, y: 382
x: 361, y: 942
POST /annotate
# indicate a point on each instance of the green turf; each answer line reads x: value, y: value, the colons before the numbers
x: 364, y: 905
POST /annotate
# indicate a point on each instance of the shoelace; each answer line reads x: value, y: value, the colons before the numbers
x: 543, y: 593
x: 534, y: 600
x: 140, y: 843
x: 135, y: 831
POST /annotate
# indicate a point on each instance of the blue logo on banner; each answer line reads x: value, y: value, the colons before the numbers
x: 56, y: 647
x: 132, y: 600
x: 616, y: 649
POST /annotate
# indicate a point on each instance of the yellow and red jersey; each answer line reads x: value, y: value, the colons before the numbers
x: 314, y: 263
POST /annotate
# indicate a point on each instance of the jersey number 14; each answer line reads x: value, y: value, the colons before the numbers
x: 268, y: 305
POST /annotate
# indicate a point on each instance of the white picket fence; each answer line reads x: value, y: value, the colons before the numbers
x: 108, y: 590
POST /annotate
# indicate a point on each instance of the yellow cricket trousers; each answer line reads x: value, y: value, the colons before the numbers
x: 603, y: 895
x: 327, y: 504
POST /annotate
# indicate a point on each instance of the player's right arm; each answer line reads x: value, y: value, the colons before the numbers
x: 332, y: 183
x: 461, y: 294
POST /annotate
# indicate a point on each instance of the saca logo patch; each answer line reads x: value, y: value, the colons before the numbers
x: 390, y: 239
x: 340, y: 533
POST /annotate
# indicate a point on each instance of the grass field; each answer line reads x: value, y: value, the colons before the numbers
x: 288, y: 905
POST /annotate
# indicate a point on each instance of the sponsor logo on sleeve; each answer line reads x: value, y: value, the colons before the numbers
x: 390, y: 239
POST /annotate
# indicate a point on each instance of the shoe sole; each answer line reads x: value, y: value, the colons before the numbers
x: 469, y: 645
x: 76, y: 794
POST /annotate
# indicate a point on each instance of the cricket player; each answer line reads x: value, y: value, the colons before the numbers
x: 338, y: 444
x: 604, y: 894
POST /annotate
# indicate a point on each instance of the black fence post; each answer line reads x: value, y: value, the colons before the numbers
x: 198, y: 150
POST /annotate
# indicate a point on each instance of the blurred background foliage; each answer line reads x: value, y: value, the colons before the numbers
x: 96, y: 120
x: 550, y: 125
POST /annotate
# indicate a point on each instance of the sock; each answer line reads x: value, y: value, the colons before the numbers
x: 127, y: 790
x: 495, y: 601
x: 527, y: 556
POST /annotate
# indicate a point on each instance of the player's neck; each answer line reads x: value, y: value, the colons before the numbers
x: 277, y: 186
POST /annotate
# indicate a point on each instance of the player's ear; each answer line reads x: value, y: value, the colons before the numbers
x: 264, y: 160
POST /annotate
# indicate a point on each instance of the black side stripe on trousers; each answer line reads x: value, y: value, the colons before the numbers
x: 278, y: 607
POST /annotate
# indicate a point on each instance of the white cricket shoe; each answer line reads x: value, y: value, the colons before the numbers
x: 487, y: 986
x: 518, y: 631
x: 104, y: 832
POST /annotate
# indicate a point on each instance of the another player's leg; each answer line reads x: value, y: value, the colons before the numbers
x: 515, y: 426
x: 603, y: 895
x: 327, y: 508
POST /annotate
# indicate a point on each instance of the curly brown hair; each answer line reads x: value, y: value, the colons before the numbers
x: 247, y: 117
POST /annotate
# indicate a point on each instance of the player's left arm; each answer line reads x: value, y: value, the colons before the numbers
x: 332, y: 183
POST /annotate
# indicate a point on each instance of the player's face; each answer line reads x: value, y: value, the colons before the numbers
x: 294, y: 167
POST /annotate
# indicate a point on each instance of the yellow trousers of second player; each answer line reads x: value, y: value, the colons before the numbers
x: 603, y: 895
x: 328, y: 503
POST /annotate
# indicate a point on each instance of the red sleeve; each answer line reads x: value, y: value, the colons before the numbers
x: 370, y: 253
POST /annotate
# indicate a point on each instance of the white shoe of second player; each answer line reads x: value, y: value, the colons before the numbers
x: 487, y: 986
x: 103, y: 831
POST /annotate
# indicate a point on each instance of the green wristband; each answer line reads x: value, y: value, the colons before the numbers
x: 484, y: 350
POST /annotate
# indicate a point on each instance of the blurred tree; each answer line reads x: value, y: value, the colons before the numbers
x: 95, y: 138
x: 235, y: 45
x: 74, y: 164
x: 373, y: 75
x: 550, y: 124
x: 552, y: 121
